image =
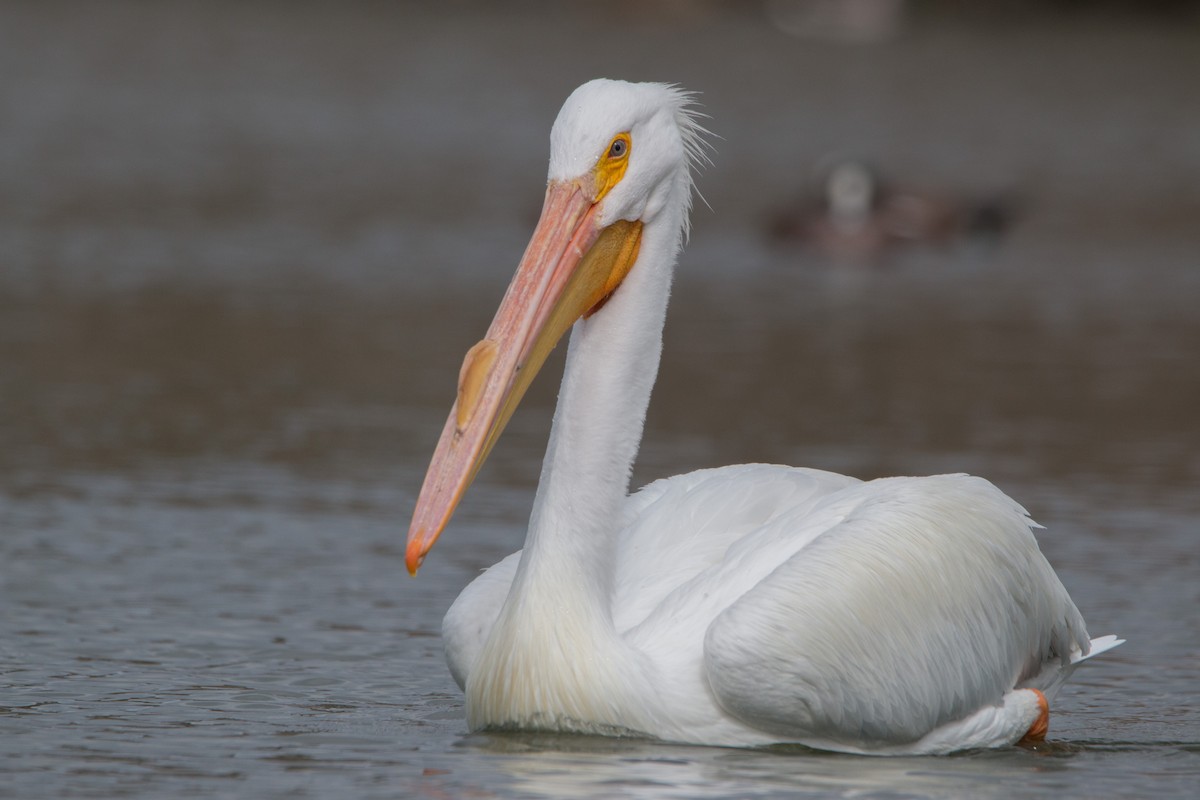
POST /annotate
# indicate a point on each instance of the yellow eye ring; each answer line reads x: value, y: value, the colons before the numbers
x: 611, y: 167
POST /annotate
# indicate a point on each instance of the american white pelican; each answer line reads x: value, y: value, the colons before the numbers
x: 745, y: 605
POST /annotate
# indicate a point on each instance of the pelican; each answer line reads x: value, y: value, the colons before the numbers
x: 739, y: 606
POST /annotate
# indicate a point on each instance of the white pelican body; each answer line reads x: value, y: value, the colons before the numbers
x: 745, y: 605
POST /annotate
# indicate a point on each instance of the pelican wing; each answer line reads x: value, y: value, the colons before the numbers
x: 680, y: 528
x: 926, y: 600
x: 672, y: 530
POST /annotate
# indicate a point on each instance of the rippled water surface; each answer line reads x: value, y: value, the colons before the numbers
x: 244, y: 246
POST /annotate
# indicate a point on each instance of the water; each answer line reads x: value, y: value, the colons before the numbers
x: 243, y: 248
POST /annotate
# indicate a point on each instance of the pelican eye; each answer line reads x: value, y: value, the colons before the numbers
x: 611, y: 167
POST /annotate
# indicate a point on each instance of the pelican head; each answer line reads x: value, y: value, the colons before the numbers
x: 633, y: 142
x: 620, y: 156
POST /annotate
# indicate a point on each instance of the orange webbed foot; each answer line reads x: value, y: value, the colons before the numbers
x: 1041, y: 726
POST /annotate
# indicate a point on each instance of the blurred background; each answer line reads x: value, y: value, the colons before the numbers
x: 244, y: 246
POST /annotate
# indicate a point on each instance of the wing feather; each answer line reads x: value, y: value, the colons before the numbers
x: 927, y: 600
x: 678, y: 528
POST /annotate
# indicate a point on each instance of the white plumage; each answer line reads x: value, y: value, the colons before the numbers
x: 745, y: 605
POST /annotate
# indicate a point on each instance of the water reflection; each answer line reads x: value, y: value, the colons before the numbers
x: 570, y: 766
